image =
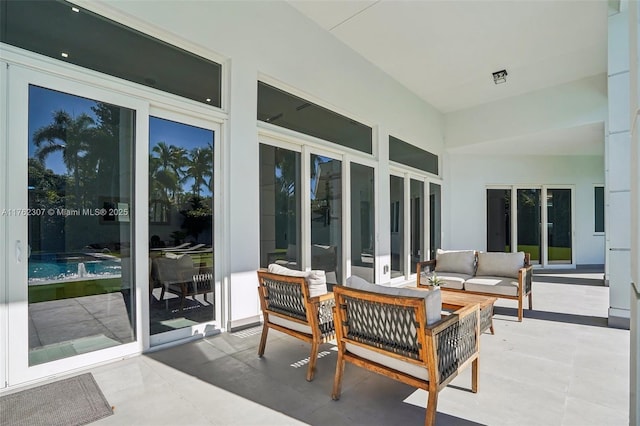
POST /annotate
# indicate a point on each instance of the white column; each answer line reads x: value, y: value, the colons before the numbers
x: 634, y: 370
x: 617, y: 170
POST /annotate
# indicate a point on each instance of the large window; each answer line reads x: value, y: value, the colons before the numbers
x: 397, y: 226
x: 598, y: 198
x: 326, y: 216
x: 63, y: 31
x: 499, y: 220
x: 180, y: 225
x: 80, y: 187
x: 279, y: 207
x: 417, y: 245
x: 275, y: 106
x: 362, y: 221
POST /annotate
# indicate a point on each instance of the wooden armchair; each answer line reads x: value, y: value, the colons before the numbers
x: 288, y: 308
x: 389, y: 335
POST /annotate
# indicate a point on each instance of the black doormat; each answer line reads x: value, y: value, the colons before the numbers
x: 74, y: 401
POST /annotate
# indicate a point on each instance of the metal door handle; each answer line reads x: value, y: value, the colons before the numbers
x: 19, y: 251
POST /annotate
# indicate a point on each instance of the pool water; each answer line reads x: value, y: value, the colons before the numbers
x: 53, y: 268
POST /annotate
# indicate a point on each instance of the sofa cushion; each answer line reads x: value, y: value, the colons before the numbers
x: 316, y: 280
x: 433, y: 299
x: 458, y: 261
x: 450, y: 280
x: 500, y: 264
x: 501, y: 286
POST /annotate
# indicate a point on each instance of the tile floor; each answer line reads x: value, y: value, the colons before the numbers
x: 561, y: 366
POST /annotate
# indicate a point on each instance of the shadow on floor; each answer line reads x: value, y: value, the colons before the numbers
x: 277, y: 381
x: 597, y: 282
x: 553, y: 316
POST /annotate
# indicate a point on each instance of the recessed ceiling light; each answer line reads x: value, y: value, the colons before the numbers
x: 208, y: 99
x: 75, y: 9
x: 64, y: 54
x: 500, y: 77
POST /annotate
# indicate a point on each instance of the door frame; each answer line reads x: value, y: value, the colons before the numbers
x: 544, y: 243
x: 215, y: 325
x: 16, y: 242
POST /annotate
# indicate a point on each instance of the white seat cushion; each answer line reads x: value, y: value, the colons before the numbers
x: 450, y: 280
x: 274, y: 319
x: 503, y: 286
x: 389, y: 361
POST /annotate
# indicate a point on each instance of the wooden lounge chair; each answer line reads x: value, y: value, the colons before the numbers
x: 288, y: 307
x: 389, y: 335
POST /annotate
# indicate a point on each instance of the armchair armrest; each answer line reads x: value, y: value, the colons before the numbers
x: 456, y: 340
x: 323, y: 306
x: 525, y: 276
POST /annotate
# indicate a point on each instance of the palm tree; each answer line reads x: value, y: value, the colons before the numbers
x: 169, y: 172
x: 199, y: 168
x: 71, y: 137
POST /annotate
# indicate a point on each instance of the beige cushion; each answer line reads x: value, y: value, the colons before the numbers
x: 500, y: 286
x: 459, y: 261
x: 292, y: 325
x: 500, y: 264
x: 432, y: 299
x: 316, y: 280
x: 389, y: 361
x: 451, y: 280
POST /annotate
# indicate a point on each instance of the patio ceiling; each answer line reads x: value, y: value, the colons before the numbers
x: 446, y: 51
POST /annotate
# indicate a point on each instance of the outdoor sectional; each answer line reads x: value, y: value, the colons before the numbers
x: 503, y: 275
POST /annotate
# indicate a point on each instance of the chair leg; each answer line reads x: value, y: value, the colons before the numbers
x: 313, y: 358
x: 337, y: 380
x: 474, y: 375
x: 432, y: 406
x: 520, y: 308
x: 530, y: 300
x: 263, y: 339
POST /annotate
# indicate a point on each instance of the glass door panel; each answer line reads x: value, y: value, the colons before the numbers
x: 397, y: 226
x: 417, y: 222
x: 326, y: 216
x: 529, y: 223
x: 362, y: 222
x: 181, y: 257
x: 435, y: 215
x: 499, y: 220
x: 80, y: 210
x: 559, y: 228
x: 279, y: 207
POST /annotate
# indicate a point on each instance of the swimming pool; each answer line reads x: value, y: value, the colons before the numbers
x: 47, y: 268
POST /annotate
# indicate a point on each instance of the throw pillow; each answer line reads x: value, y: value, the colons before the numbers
x: 316, y: 280
x: 500, y: 264
x: 459, y: 261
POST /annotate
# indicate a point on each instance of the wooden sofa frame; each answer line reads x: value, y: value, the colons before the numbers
x: 525, y: 276
x: 395, y: 326
x: 288, y: 298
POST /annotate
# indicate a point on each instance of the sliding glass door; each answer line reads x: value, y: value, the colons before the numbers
x: 181, y: 222
x: 544, y: 230
x: 70, y: 226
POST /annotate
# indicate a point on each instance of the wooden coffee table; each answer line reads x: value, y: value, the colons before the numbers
x: 455, y: 300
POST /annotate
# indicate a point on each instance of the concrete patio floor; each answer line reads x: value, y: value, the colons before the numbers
x: 561, y: 366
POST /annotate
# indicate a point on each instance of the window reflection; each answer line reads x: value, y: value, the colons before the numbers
x: 397, y: 226
x: 180, y: 225
x: 279, y: 207
x: 326, y: 216
x: 79, y: 189
x: 362, y: 222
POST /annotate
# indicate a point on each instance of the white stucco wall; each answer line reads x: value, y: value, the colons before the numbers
x: 467, y: 177
x: 272, y: 39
